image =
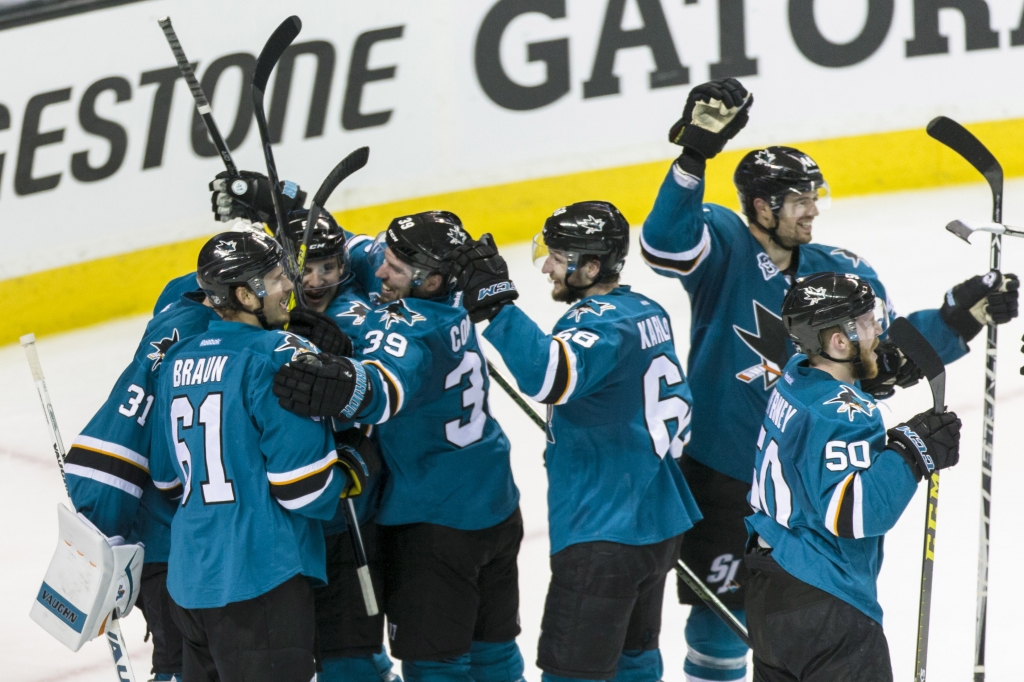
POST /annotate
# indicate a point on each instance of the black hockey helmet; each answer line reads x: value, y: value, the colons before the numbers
x: 422, y: 240
x: 829, y: 299
x: 233, y: 259
x: 772, y: 173
x: 326, y: 240
x: 587, y: 228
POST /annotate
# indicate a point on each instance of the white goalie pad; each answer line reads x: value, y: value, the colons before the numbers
x: 86, y: 580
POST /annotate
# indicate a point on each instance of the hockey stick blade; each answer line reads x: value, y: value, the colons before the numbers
x: 916, y: 347
x: 278, y: 42
x: 346, y: 167
x: 964, y: 229
x: 963, y: 142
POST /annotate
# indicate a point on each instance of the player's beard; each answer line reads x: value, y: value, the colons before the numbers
x: 870, y: 364
x: 567, y: 292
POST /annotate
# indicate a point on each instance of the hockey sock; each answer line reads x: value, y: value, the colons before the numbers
x: 714, y: 652
x: 640, y: 666
x: 449, y: 670
x: 356, y: 669
x: 496, y: 662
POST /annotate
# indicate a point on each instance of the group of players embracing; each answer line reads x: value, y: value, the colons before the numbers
x: 240, y: 432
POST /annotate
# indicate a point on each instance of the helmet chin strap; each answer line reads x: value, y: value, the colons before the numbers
x: 860, y: 371
x: 772, y: 233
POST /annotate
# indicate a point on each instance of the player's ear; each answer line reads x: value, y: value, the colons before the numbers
x: 245, y: 297
x: 432, y: 284
x: 763, y: 211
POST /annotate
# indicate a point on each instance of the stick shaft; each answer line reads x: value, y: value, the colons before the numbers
x: 359, y: 550
x: 516, y: 398
x: 28, y: 342
x: 927, y: 567
x: 119, y: 650
x: 202, y: 105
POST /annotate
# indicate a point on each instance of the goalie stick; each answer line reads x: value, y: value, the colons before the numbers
x: 275, y: 47
x: 684, y: 572
x: 959, y: 139
x: 202, y: 105
x: 913, y: 344
x: 113, y: 636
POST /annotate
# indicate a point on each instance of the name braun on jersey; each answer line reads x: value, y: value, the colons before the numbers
x: 192, y: 371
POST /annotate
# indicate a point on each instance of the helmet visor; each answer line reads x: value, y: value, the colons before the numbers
x: 873, y: 323
x: 540, y: 250
x: 806, y: 200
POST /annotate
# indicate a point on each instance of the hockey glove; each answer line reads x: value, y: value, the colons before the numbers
x: 971, y: 305
x: 322, y: 386
x: 482, y: 275
x: 715, y: 111
x: 247, y: 195
x: 894, y: 369
x: 321, y: 331
x: 928, y: 442
x: 358, y: 459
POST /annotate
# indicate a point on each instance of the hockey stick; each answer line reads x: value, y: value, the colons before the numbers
x: 913, y: 344
x: 684, y: 572
x: 278, y: 42
x: 960, y: 140
x: 202, y: 105
x: 362, y: 565
x: 964, y: 229
x: 346, y: 167
x: 114, y: 638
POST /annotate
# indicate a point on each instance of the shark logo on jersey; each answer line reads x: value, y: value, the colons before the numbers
x: 357, y: 311
x: 456, y: 236
x: 161, y: 347
x: 399, y: 312
x: 592, y: 224
x: 850, y: 403
x: 815, y: 295
x: 295, y: 344
x: 769, y: 342
x: 850, y: 256
x: 596, y: 307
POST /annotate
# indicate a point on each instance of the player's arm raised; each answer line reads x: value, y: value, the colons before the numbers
x: 676, y: 238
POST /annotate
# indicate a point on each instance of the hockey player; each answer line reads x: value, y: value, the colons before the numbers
x: 252, y: 479
x: 829, y: 482
x: 736, y: 275
x: 449, y: 519
x: 108, y: 471
x: 619, y: 413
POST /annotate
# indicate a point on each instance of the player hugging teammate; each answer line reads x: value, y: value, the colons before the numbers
x: 377, y: 392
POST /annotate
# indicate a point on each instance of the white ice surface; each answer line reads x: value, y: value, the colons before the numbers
x: 901, y: 234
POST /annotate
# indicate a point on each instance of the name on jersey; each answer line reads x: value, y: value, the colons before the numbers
x: 653, y: 330
x: 780, y: 411
x: 192, y: 371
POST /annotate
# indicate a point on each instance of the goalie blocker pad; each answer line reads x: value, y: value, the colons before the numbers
x: 86, y: 580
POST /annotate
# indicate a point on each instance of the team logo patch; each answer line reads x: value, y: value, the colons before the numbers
x: 225, y: 248
x: 399, y: 312
x: 850, y: 256
x: 357, y: 311
x: 764, y: 157
x: 815, y: 295
x: 592, y: 224
x: 294, y: 344
x: 595, y: 307
x: 768, y: 341
x: 850, y: 403
x: 160, y: 349
x: 768, y: 268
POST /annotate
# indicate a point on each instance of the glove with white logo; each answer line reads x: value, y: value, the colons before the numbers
x: 971, y: 305
x: 482, y: 274
x: 323, y: 386
x: 894, y: 369
x: 715, y: 111
x: 928, y: 442
x: 247, y: 195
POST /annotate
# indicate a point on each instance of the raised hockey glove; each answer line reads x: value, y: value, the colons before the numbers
x: 322, y: 386
x: 247, y: 195
x: 358, y: 459
x: 928, y: 442
x: 894, y: 369
x: 715, y: 111
x: 321, y: 331
x: 482, y: 274
x: 971, y: 305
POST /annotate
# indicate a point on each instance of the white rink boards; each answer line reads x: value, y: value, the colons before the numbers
x: 901, y: 234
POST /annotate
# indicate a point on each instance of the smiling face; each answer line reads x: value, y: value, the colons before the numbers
x: 396, y: 277
x: 320, y: 279
x: 275, y: 303
x: 868, y: 330
x: 795, y: 220
x: 557, y: 264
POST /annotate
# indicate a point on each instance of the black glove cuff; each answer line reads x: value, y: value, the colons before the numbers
x: 692, y: 162
x: 901, y: 445
x: 960, y: 320
x: 701, y: 141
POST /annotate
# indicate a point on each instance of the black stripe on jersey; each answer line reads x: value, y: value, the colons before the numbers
x: 683, y: 266
x: 393, y: 394
x: 303, y: 486
x: 844, y: 517
x: 108, y: 464
x: 561, y: 382
x: 172, y: 494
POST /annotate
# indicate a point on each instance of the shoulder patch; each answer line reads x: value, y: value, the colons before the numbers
x: 161, y: 347
x: 293, y: 343
x: 357, y: 310
x: 397, y: 312
x: 595, y: 307
x: 850, y: 403
x: 850, y: 256
x: 768, y: 268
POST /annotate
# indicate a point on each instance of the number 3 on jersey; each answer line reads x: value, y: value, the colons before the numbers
x: 217, y: 489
